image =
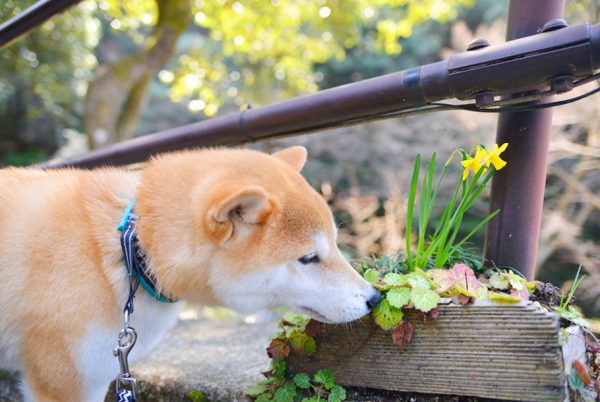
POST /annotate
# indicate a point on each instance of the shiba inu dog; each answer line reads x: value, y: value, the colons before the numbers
x: 237, y: 228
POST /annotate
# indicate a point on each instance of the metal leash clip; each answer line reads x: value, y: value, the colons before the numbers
x: 125, y: 383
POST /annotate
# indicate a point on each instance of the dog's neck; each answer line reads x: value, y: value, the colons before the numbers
x: 167, y: 230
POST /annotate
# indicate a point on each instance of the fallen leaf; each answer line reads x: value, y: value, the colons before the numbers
x: 522, y: 293
x: 433, y: 314
x: 531, y: 286
x: 402, y: 333
x: 503, y: 297
x: 462, y: 299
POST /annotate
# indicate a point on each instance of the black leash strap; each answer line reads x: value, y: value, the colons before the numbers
x: 125, y: 383
x: 128, y: 245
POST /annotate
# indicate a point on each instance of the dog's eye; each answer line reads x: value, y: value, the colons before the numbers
x: 311, y: 258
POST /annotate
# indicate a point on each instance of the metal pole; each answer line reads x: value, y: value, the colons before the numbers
x: 31, y: 18
x: 518, y: 190
x: 520, y: 65
x: 333, y: 107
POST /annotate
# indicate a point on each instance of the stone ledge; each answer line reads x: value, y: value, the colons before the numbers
x: 221, y: 359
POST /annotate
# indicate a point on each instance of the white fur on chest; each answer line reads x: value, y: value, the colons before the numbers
x: 151, y: 320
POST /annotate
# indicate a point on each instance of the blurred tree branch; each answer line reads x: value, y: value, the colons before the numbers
x: 115, y: 95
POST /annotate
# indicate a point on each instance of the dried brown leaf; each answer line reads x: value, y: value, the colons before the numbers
x: 278, y: 349
x: 402, y: 333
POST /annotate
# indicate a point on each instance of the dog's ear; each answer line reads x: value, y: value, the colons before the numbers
x: 236, y: 209
x: 294, y: 156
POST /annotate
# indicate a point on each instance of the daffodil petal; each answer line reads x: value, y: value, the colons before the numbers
x: 481, y: 154
x: 498, y: 162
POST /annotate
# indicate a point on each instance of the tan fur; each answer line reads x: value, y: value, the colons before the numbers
x: 206, y: 218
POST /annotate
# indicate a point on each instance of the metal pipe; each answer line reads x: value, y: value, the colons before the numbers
x: 329, y: 108
x: 518, y: 190
x: 522, y: 64
x: 31, y: 17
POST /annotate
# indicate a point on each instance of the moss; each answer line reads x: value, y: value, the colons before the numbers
x: 198, y: 396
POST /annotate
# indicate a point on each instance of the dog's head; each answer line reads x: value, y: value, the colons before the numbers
x: 276, y: 243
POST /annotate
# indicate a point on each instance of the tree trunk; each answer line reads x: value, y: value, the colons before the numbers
x: 115, y: 96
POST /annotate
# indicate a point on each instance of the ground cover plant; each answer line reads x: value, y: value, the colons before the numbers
x: 295, y: 335
x: 435, y: 267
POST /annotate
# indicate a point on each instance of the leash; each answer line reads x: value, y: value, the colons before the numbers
x: 138, y: 274
x: 125, y: 383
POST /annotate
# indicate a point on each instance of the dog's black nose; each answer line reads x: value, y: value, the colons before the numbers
x: 372, y: 302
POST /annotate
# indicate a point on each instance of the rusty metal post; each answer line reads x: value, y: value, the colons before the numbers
x: 518, y: 190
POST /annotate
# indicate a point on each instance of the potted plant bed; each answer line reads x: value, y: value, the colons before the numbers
x: 486, y: 349
x: 508, y: 348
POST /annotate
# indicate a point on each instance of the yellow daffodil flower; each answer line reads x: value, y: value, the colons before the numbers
x: 475, y: 163
x: 493, y: 157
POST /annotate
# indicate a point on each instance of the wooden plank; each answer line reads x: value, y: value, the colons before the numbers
x: 485, y: 350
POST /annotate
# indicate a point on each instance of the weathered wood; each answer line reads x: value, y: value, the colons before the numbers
x: 486, y: 350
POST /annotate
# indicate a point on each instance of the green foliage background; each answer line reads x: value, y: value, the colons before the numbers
x: 43, y: 78
x: 232, y: 53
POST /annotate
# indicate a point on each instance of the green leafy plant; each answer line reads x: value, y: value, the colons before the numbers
x: 301, y: 387
x: 564, y: 302
x: 443, y: 244
x: 423, y: 290
x: 198, y: 396
x: 397, y: 262
x: 400, y: 291
x: 295, y: 334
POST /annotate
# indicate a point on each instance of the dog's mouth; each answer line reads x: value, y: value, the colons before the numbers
x: 315, y: 314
